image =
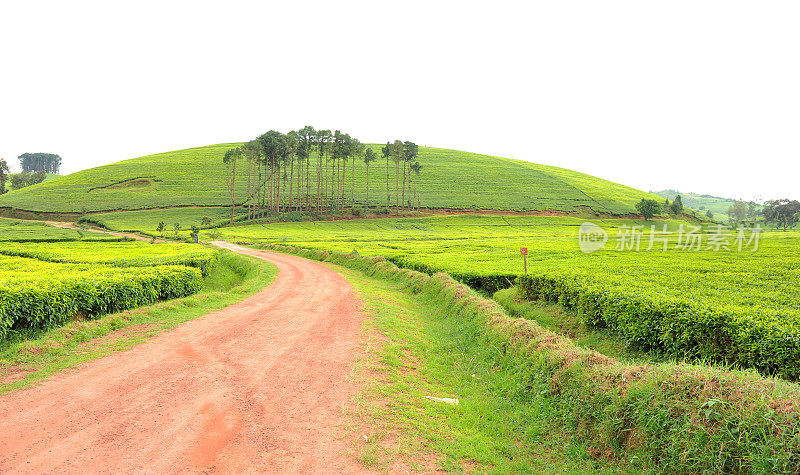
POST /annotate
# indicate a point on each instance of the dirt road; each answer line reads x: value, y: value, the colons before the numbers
x: 258, y: 386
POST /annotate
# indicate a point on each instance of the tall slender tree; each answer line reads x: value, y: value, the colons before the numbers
x: 323, y: 138
x: 275, y: 151
x: 410, y: 151
x: 397, y: 157
x: 416, y: 168
x: 387, y: 154
x: 306, y: 138
x: 369, y: 157
x: 356, y: 150
x: 230, y: 159
x: 291, y: 150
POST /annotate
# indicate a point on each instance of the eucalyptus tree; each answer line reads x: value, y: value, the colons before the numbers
x: 230, y: 159
x: 369, y: 157
x: 253, y: 152
x: 323, y: 138
x: 397, y: 153
x: 416, y: 168
x: 387, y: 153
x: 40, y: 162
x: 274, y: 147
x: 305, y: 143
x: 356, y: 150
x: 291, y: 140
x: 410, y: 151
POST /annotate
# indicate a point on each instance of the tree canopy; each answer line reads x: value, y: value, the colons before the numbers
x: 279, y: 168
x: 40, y: 162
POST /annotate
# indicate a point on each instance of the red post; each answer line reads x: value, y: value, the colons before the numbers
x: 524, y: 252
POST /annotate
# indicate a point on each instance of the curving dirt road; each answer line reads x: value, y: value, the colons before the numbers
x: 258, y: 386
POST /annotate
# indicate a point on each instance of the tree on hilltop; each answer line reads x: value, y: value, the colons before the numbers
x: 369, y: 157
x: 410, y: 151
x: 230, y: 159
x: 387, y: 153
x: 397, y: 151
x: 40, y: 162
x: 416, y: 168
x: 356, y: 150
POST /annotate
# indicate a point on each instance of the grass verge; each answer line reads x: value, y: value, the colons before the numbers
x: 29, y: 357
x: 501, y: 424
x: 667, y: 417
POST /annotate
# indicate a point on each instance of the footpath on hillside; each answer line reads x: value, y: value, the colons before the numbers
x: 258, y: 386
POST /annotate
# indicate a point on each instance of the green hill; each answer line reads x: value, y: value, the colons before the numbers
x: 449, y: 179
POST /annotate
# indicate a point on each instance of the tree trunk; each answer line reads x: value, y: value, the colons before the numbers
x: 291, y: 182
x: 368, y: 185
x: 419, y: 201
x: 388, y: 193
x: 397, y: 184
x: 403, y: 203
x: 233, y: 192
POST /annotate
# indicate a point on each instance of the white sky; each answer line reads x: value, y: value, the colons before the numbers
x: 697, y: 95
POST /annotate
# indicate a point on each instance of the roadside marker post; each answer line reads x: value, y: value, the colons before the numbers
x: 524, y: 252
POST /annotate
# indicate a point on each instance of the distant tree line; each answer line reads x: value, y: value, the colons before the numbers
x: 314, y: 171
x: 40, y: 162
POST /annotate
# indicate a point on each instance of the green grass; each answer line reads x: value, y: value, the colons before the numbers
x: 35, y: 354
x: 500, y: 424
x: 450, y: 179
x: 26, y: 231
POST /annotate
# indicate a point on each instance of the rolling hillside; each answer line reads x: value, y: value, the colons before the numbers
x: 449, y: 179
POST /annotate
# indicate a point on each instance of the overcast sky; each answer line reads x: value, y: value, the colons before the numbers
x: 701, y: 96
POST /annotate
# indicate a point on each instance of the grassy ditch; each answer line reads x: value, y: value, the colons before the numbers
x: 499, y: 425
x: 30, y: 356
x: 676, y: 418
x: 554, y: 317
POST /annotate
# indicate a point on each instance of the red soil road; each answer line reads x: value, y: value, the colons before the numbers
x: 258, y: 386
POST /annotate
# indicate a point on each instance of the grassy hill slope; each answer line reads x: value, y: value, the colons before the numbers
x: 449, y: 179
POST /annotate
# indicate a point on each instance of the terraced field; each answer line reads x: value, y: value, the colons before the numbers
x: 740, y: 307
x: 450, y: 179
